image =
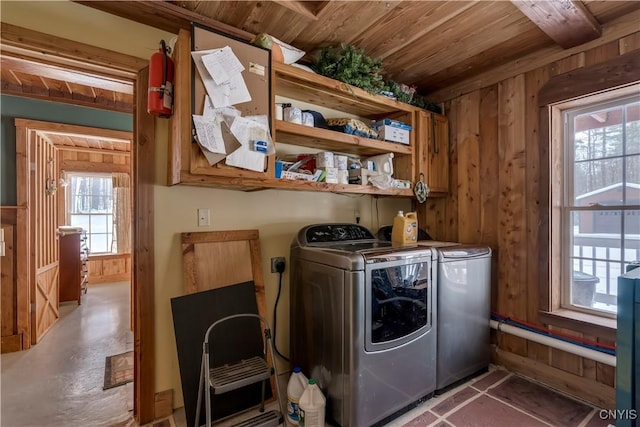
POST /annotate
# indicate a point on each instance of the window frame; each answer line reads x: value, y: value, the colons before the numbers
x: 561, y: 189
x: 69, y: 201
x: 617, y: 72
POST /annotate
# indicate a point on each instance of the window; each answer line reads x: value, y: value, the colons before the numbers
x: 90, y: 206
x: 598, y: 215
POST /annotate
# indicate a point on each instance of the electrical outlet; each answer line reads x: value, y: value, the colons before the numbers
x: 275, y: 261
x: 204, y: 217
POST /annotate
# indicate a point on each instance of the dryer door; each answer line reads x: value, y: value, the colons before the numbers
x: 398, y: 302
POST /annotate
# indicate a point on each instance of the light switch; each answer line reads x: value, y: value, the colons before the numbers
x: 204, y: 217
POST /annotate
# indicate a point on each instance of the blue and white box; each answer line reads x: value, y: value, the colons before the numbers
x: 393, y: 130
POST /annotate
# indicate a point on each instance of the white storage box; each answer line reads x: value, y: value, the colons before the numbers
x: 297, y: 176
x: 393, y: 134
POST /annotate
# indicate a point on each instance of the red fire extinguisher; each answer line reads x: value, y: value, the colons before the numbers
x: 160, y: 99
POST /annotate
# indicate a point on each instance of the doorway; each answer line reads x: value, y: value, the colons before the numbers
x: 117, y: 71
x: 78, y: 187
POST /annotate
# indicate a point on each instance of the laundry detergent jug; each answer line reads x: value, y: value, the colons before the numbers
x: 405, y: 228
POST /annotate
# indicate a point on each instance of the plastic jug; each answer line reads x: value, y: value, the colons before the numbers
x: 312, y: 403
x: 297, y: 383
x: 383, y: 163
x: 405, y: 228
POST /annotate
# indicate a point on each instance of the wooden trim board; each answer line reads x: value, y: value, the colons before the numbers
x: 216, y: 259
x: 143, y: 161
x: 596, y: 393
x: 234, y: 242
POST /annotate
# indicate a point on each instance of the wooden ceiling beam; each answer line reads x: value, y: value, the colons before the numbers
x: 25, y: 43
x: 567, y: 22
x: 27, y: 66
x: 109, y: 135
x: 299, y: 7
x: 617, y: 29
x: 27, y: 92
x: 163, y: 15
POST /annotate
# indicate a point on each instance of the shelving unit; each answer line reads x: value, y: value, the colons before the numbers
x: 188, y: 165
x: 323, y: 139
x: 295, y: 83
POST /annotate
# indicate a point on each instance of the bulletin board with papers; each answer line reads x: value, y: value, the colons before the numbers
x: 231, y: 106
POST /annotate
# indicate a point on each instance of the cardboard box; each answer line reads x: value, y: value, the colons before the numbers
x: 393, y: 134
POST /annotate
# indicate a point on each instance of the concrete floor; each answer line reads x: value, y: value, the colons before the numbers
x: 58, y: 382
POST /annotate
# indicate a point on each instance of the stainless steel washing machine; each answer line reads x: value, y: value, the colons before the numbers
x: 363, y: 321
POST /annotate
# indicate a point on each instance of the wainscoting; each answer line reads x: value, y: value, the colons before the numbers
x: 109, y: 268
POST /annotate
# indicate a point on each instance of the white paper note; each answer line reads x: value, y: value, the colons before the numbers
x: 209, y: 134
x: 246, y: 158
x: 233, y: 91
x: 222, y: 64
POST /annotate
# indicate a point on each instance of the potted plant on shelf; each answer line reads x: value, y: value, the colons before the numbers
x: 351, y: 65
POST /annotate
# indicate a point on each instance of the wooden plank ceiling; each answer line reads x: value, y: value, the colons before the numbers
x: 82, y: 142
x: 430, y: 44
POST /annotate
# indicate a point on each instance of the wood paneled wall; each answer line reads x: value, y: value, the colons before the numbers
x: 109, y: 268
x: 495, y: 176
x: 12, y: 334
x: 94, y: 160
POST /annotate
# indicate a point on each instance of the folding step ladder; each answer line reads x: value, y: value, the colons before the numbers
x: 226, y: 378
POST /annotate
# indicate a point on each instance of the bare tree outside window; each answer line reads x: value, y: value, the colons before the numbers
x: 601, y: 200
x: 90, y: 206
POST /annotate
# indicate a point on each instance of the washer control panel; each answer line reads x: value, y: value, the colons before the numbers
x: 324, y: 233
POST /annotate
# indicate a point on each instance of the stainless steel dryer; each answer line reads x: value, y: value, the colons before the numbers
x: 464, y: 310
x: 363, y: 316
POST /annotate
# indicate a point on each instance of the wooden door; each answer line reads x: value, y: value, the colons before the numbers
x: 433, y: 150
x: 43, y: 233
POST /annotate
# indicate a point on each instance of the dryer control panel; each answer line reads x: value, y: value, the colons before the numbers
x: 325, y: 233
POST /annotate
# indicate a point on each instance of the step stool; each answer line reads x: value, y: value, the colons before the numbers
x: 226, y: 378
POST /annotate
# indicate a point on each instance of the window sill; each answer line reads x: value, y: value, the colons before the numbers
x: 585, y: 323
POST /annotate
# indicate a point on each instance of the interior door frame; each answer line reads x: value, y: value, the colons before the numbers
x: 35, y: 44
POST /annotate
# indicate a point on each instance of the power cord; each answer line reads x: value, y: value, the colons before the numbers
x: 280, y: 269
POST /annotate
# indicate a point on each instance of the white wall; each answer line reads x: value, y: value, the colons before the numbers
x: 277, y: 214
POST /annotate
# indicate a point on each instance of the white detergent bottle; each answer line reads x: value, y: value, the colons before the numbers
x: 297, y: 383
x: 312, y: 403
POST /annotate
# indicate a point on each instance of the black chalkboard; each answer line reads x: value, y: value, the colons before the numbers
x: 230, y: 342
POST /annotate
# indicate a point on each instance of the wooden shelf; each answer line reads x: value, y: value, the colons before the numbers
x: 324, y: 139
x: 253, y: 184
x: 295, y: 83
x: 188, y: 166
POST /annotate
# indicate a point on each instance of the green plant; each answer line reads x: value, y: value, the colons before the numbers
x: 421, y: 102
x: 350, y: 65
x: 401, y: 92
